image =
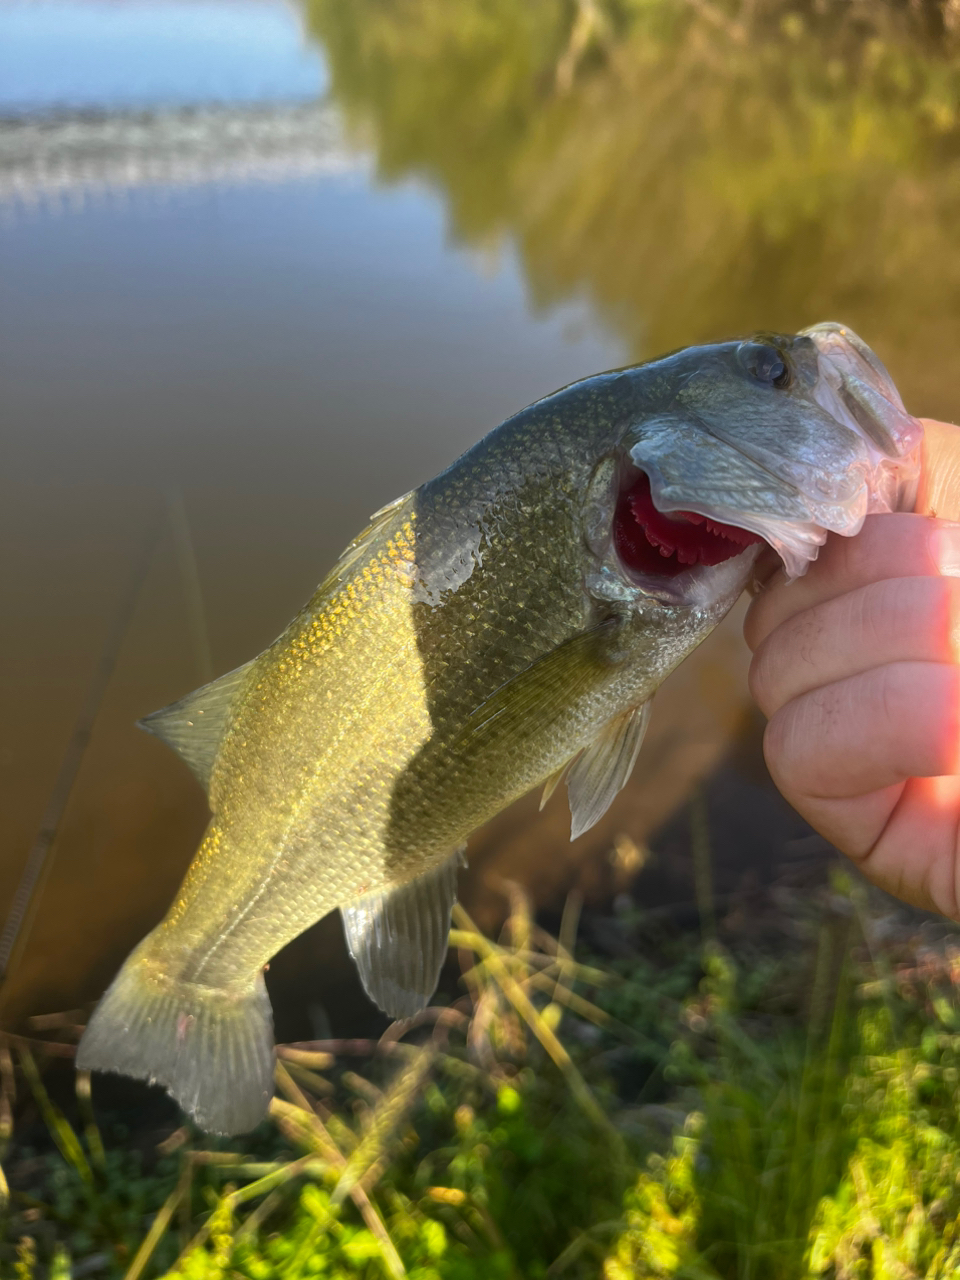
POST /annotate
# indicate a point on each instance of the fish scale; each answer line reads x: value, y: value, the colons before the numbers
x: 485, y: 635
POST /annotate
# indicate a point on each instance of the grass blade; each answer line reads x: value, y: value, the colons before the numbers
x: 60, y: 1128
x: 520, y: 1001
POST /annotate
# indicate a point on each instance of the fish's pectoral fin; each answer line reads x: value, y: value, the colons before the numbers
x: 527, y: 704
x: 194, y: 727
x: 600, y: 771
x: 398, y: 938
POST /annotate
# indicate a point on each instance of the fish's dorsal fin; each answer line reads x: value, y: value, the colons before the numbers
x: 360, y: 545
x: 398, y: 938
x: 600, y: 771
x: 194, y: 726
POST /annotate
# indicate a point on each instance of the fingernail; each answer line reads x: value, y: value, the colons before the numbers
x: 946, y: 547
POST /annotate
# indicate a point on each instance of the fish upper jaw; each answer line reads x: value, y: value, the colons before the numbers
x: 816, y: 460
x: 856, y: 389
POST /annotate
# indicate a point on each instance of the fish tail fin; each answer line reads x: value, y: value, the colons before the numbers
x: 210, y: 1047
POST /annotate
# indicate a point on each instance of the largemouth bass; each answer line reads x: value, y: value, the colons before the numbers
x: 500, y: 628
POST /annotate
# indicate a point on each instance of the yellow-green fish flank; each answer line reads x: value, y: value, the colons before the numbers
x: 505, y: 624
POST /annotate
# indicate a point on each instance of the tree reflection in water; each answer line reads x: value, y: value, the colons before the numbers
x: 694, y: 169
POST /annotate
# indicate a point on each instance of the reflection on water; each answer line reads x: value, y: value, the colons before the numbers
x: 70, y: 160
x: 105, y: 98
x: 268, y: 316
x: 695, y: 170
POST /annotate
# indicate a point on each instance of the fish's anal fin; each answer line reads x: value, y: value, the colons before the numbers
x: 398, y: 938
x: 600, y: 771
x: 194, y: 726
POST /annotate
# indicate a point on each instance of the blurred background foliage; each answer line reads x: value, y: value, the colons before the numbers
x: 688, y: 165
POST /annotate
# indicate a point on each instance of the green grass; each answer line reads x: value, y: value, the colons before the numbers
x: 775, y: 1119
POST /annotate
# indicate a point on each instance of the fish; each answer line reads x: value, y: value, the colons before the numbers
x: 501, y: 628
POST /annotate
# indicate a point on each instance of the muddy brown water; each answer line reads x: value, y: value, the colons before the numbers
x: 264, y: 268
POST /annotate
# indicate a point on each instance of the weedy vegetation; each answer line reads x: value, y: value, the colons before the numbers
x: 722, y: 1115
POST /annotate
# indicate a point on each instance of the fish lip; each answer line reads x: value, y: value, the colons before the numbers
x: 838, y: 342
x: 849, y: 367
x: 796, y: 541
x: 855, y: 387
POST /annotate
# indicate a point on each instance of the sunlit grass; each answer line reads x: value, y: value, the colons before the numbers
x: 485, y: 1140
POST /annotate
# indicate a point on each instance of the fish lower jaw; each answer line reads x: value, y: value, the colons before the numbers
x: 698, y: 587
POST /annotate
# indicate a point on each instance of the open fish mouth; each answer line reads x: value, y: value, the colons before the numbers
x: 652, y: 542
x: 783, y: 463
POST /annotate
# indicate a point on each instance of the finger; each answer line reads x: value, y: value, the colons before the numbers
x: 765, y: 568
x: 901, y: 545
x: 867, y: 732
x: 881, y: 549
x: 904, y: 838
x: 856, y: 824
x: 894, y: 620
x: 939, y: 491
x: 915, y: 856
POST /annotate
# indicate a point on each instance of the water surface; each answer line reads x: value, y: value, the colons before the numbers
x: 249, y: 350
x: 265, y: 268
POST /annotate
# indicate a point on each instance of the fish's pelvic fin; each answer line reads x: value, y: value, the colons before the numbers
x: 398, y: 938
x: 551, y: 784
x: 211, y: 1048
x: 194, y: 727
x: 600, y: 771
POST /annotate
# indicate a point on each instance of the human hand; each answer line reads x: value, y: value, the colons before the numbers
x: 857, y: 667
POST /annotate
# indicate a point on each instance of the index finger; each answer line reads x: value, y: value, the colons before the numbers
x: 939, y: 492
x: 889, y: 546
x: 901, y: 545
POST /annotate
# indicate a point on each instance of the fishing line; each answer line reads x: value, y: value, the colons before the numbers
x: 14, y: 935
x: 190, y: 573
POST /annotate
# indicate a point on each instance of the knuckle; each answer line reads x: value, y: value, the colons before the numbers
x: 936, y: 615
x: 808, y: 632
x: 763, y: 616
x: 787, y: 660
x: 762, y: 678
x: 890, y: 546
x: 949, y: 617
x: 775, y: 739
x: 918, y: 704
x: 919, y: 611
x: 875, y: 612
x: 753, y: 629
x: 888, y: 696
x: 794, y: 744
x: 756, y: 680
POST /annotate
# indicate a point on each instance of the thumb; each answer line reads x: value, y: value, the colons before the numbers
x: 939, y: 491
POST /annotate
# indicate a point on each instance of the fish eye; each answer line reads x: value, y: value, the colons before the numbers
x: 764, y: 362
